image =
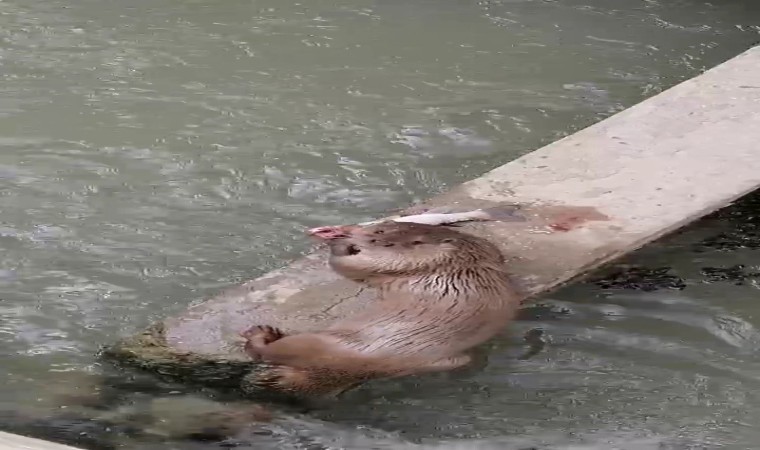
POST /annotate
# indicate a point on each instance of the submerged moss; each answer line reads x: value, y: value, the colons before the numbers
x: 148, y: 350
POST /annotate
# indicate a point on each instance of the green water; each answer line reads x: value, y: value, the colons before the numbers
x: 154, y: 152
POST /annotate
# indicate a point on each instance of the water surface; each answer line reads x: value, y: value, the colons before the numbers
x: 153, y: 152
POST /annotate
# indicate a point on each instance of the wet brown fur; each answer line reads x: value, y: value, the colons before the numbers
x: 440, y: 293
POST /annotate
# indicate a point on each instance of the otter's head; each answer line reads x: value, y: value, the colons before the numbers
x: 399, y: 249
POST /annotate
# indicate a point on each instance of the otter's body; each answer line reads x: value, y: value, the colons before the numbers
x: 440, y: 293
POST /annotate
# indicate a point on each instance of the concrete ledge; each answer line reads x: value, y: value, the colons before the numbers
x: 15, y: 442
x: 589, y: 198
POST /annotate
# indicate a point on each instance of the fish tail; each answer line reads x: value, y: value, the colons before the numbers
x: 503, y: 213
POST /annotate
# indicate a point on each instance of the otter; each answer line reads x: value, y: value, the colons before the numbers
x: 441, y: 292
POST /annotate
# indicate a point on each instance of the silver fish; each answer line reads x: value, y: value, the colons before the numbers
x: 498, y: 213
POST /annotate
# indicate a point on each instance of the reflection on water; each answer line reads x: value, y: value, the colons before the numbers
x: 153, y: 152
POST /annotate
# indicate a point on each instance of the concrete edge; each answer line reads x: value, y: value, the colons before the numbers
x: 10, y: 441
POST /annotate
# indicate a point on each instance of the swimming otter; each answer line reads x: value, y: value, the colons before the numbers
x: 441, y: 292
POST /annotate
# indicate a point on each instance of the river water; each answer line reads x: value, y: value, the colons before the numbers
x: 154, y: 152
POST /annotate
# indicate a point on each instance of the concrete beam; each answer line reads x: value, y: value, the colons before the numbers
x: 15, y: 442
x: 589, y: 198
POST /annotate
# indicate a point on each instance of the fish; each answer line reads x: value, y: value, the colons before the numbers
x: 443, y: 218
x: 439, y: 216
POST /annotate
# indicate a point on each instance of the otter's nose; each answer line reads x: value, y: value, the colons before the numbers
x: 332, y: 232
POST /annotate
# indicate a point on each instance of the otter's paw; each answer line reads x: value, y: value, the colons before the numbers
x: 265, y: 333
x: 258, y: 337
x: 280, y: 378
x: 302, y: 382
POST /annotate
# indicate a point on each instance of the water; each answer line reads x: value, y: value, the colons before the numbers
x: 153, y: 152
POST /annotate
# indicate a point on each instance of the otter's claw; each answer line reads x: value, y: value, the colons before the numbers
x: 260, y: 336
x: 267, y: 334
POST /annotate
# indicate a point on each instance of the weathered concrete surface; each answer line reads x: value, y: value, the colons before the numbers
x: 15, y: 442
x: 589, y: 198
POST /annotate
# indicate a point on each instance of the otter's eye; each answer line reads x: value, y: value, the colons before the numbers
x: 379, y: 231
x: 417, y: 242
x: 372, y: 241
x: 447, y: 240
x: 388, y: 245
